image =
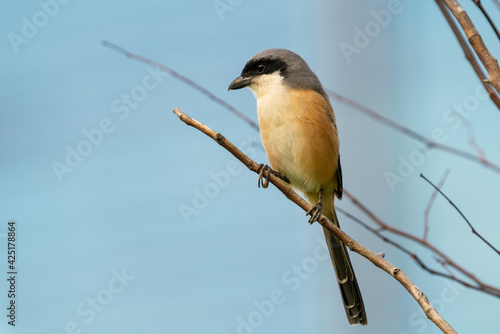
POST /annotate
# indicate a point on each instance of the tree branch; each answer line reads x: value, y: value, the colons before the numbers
x: 476, y: 41
x: 469, y: 55
x: 431, y: 313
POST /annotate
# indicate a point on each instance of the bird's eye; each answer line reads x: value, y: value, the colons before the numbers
x: 261, y: 68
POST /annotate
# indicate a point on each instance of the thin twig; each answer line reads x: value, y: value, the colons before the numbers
x: 376, y: 259
x: 461, y: 214
x: 431, y: 202
x: 410, y: 133
x: 471, y: 138
x: 485, y: 13
x: 469, y: 55
x: 184, y: 79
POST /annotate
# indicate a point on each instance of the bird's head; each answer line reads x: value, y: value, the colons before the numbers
x: 273, y: 67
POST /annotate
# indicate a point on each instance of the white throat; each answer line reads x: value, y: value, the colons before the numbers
x: 272, y: 97
x: 267, y: 84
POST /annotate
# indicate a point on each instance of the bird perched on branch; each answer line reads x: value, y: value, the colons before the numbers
x: 300, y: 137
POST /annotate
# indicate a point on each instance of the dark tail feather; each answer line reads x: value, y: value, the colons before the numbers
x: 349, y: 289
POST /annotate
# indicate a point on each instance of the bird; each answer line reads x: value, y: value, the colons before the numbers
x: 300, y: 137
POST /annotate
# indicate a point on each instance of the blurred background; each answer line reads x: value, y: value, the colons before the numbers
x: 129, y: 221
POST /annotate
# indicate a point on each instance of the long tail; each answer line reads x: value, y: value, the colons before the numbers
x: 349, y: 289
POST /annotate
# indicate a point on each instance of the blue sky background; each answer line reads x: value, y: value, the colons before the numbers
x: 106, y: 248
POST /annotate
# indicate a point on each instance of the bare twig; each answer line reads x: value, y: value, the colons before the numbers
x: 471, y: 138
x: 431, y: 202
x: 475, y: 40
x: 479, y: 285
x: 184, y: 79
x: 461, y: 214
x: 410, y: 133
x: 469, y: 55
x: 376, y: 259
x: 487, y: 16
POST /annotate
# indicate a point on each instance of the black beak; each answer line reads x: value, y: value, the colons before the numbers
x: 240, y: 82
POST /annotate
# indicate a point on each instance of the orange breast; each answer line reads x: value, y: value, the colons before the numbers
x: 301, y: 140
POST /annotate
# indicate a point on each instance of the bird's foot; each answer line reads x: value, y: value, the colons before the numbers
x: 263, y: 180
x: 264, y: 171
x: 316, y: 211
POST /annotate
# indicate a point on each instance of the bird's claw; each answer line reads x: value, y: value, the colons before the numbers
x: 264, y: 171
x: 263, y: 180
x: 315, y: 212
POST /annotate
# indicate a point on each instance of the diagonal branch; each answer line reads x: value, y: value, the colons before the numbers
x: 461, y: 214
x: 476, y: 41
x: 376, y: 259
x: 469, y: 55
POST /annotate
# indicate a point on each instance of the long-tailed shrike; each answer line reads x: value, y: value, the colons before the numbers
x: 300, y: 137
